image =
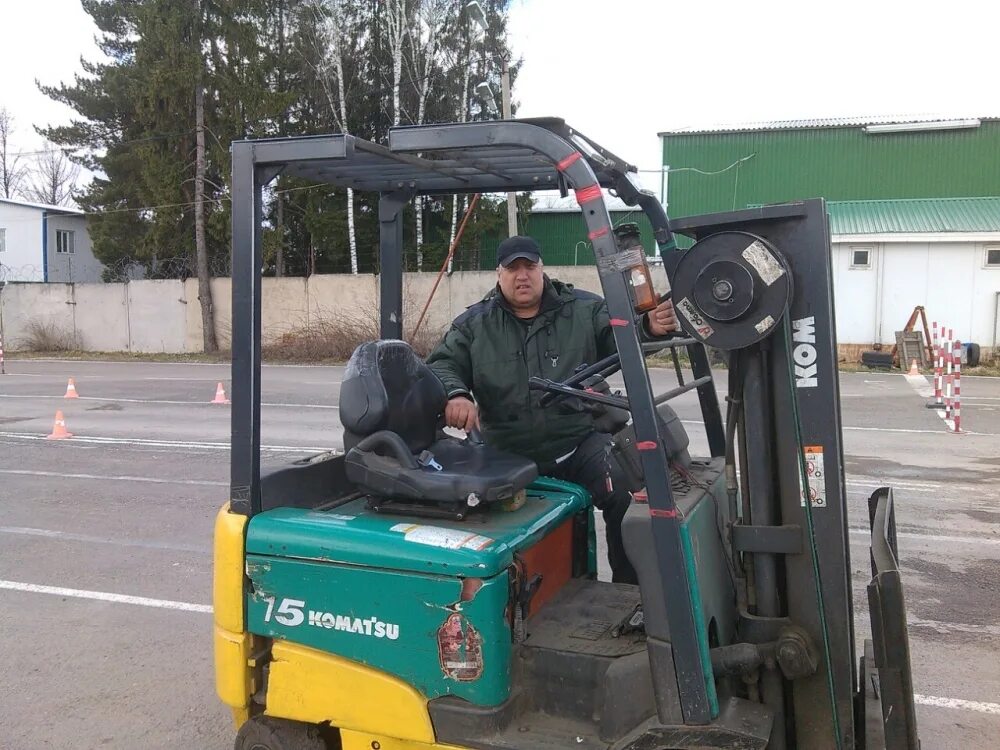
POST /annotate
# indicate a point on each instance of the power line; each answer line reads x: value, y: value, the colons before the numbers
x: 67, y: 149
x: 736, y: 163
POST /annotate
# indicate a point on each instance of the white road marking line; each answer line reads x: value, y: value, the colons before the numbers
x: 920, y: 384
x: 212, y: 380
x: 190, y: 380
x: 962, y: 705
x: 923, y: 387
x: 71, y: 537
x: 936, y: 487
x: 103, y: 596
x: 953, y: 627
x: 114, y: 478
x: 144, y: 601
x: 172, y: 364
x: 893, y: 429
x: 969, y: 539
x: 163, y: 401
x: 163, y: 443
x: 877, y: 429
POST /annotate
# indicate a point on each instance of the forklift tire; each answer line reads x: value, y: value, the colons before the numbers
x: 268, y: 733
x: 877, y: 360
x: 972, y: 355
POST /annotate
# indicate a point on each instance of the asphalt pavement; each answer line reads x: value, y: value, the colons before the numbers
x: 105, y: 542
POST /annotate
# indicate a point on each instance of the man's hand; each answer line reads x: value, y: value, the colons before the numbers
x: 461, y: 413
x: 662, y: 320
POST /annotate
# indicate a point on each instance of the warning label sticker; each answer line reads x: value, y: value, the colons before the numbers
x: 816, y: 473
x: 436, y: 536
x: 695, y: 318
x: 758, y: 256
x: 765, y: 324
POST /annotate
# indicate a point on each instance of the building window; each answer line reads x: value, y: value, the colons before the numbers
x: 992, y: 254
x: 64, y: 241
x: 3, y: 240
x: 861, y: 257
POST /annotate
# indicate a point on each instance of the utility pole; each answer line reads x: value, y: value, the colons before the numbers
x: 511, y: 197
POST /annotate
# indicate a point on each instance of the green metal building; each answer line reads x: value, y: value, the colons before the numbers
x: 726, y: 168
x: 559, y: 227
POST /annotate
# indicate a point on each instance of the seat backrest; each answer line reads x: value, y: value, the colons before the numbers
x: 387, y: 387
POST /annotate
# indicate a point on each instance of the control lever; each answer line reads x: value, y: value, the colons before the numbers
x: 635, y: 622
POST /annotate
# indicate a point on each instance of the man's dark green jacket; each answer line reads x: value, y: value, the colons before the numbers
x: 490, y: 353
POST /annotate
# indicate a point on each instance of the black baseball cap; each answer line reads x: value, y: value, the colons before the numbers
x: 516, y: 247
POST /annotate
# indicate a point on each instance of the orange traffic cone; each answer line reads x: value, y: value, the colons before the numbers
x: 220, y: 395
x: 71, y: 390
x: 59, y: 430
x: 913, y: 368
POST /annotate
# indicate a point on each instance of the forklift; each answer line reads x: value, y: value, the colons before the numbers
x: 419, y: 590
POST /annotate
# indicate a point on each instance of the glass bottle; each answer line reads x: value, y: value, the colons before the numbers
x: 640, y: 279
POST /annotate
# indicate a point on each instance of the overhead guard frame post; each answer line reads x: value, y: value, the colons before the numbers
x: 254, y: 164
x: 244, y: 482
x: 390, y: 243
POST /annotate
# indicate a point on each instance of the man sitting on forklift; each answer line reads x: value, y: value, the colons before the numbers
x: 531, y: 325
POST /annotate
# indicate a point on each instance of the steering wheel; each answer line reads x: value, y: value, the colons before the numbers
x: 556, y: 390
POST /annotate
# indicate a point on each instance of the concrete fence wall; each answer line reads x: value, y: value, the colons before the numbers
x: 165, y: 316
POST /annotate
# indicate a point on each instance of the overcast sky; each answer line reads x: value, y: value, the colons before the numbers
x: 623, y: 71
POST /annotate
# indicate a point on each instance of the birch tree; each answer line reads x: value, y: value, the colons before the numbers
x: 462, y: 112
x: 332, y: 20
x: 395, y: 22
x: 12, y: 170
x: 425, y: 43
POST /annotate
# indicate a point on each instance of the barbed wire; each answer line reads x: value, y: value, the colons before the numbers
x: 26, y: 272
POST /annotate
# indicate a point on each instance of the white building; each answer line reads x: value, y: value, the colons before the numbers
x: 892, y: 255
x: 45, y: 243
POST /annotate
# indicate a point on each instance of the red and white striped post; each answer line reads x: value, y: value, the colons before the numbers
x: 956, y: 407
x: 948, y: 363
x: 938, y: 402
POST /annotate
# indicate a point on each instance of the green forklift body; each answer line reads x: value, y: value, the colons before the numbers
x: 425, y: 600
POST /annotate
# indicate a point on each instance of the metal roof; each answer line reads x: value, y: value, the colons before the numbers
x: 826, y: 122
x: 43, y: 207
x: 915, y: 216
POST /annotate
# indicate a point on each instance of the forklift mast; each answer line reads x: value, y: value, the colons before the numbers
x: 756, y: 284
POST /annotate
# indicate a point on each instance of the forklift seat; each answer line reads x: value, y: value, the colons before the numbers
x: 392, y: 408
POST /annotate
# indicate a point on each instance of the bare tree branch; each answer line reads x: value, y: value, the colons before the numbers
x: 53, y: 178
x: 12, y: 171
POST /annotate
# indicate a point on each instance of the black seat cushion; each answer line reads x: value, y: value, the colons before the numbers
x: 387, y: 387
x: 467, y: 470
x: 392, y: 408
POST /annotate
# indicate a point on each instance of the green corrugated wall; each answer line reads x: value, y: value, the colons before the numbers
x: 563, y: 237
x: 843, y: 163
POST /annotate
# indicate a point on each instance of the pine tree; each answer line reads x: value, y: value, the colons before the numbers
x: 263, y: 68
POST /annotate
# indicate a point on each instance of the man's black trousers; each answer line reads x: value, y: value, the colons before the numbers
x: 594, y: 467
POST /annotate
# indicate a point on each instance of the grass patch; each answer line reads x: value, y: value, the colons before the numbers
x: 46, y: 338
x: 335, y: 339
